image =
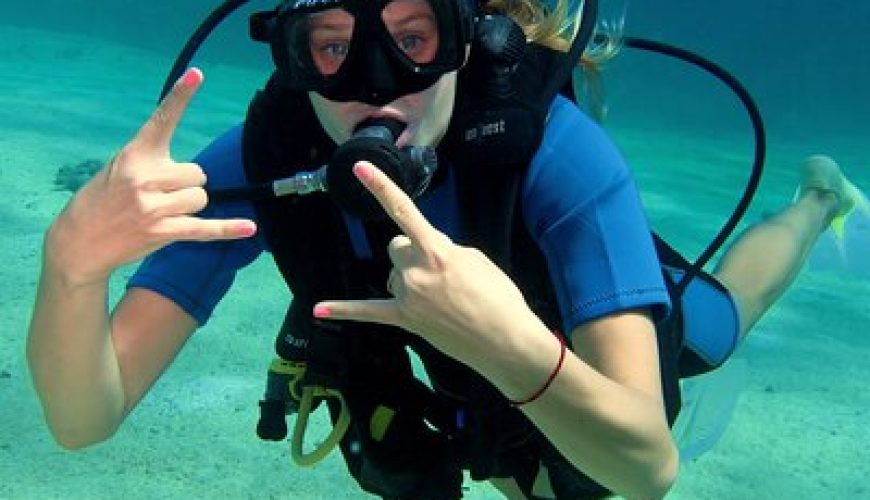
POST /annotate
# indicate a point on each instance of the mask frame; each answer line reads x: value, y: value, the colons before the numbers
x: 375, y: 70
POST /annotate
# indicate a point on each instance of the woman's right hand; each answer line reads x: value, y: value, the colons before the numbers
x: 139, y: 202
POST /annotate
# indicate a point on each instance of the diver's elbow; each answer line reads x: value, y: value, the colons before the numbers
x: 663, y: 479
x: 667, y: 479
x: 75, y: 442
x: 656, y: 480
x: 73, y: 439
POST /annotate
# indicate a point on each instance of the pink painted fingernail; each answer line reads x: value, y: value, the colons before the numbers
x: 248, y: 228
x: 363, y: 171
x: 191, y: 77
x: 321, y: 312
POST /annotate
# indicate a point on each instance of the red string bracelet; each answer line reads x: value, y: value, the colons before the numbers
x: 535, y: 395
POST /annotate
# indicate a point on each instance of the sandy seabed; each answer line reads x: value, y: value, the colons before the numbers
x: 800, y: 429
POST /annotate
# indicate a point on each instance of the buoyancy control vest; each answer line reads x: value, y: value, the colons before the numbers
x: 405, y: 440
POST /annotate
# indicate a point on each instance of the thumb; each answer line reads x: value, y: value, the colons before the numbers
x: 383, y: 311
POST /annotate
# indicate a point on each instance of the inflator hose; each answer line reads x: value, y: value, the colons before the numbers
x: 760, y: 145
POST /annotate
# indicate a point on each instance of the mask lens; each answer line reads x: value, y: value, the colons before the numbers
x: 318, y: 43
x: 414, y: 29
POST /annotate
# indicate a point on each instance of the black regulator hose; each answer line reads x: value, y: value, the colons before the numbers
x: 184, y: 57
x: 760, y: 145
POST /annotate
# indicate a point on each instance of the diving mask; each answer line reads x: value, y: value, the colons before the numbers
x: 372, y: 51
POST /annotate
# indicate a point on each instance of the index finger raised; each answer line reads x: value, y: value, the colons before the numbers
x: 157, y: 131
x: 397, y: 204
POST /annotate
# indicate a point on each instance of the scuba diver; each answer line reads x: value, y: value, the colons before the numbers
x: 423, y: 184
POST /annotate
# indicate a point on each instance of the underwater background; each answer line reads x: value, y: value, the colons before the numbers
x: 77, y: 78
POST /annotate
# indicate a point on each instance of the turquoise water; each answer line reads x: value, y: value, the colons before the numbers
x: 78, y: 78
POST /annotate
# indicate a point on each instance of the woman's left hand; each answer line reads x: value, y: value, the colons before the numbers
x: 452, y: 296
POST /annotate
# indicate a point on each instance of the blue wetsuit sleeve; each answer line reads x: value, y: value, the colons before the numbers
x: 196, y: 275
x: 582, y: 207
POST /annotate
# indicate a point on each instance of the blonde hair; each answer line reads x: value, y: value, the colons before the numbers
x: 556, y: 27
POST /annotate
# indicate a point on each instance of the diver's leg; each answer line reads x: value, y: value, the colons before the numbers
x: 766, y: 258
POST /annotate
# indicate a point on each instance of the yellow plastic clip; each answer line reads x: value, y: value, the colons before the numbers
x: 301, y: 458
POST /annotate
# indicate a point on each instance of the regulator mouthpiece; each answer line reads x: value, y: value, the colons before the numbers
x: 411, y: 168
